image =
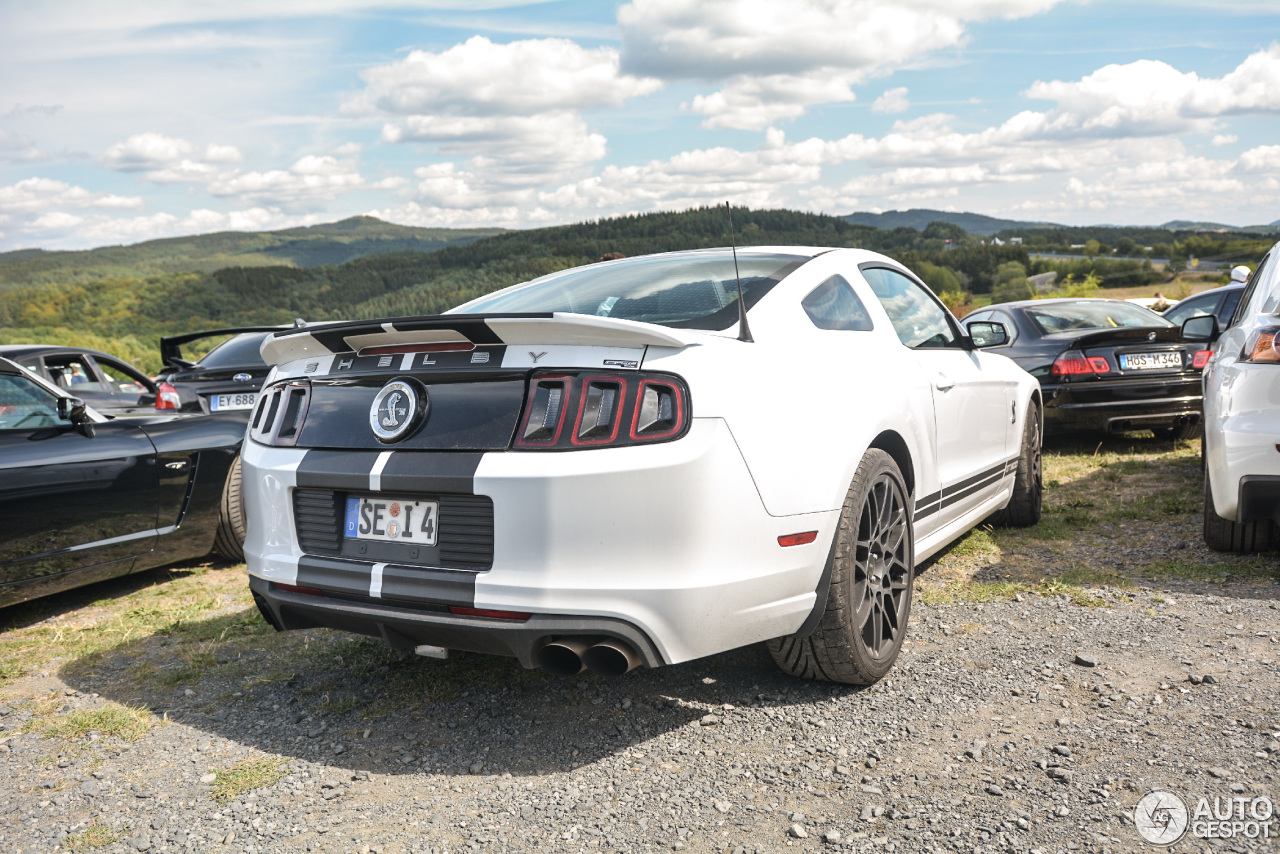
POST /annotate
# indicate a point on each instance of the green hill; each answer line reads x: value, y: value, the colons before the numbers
x: 919, y: 219
x: 331, y: 243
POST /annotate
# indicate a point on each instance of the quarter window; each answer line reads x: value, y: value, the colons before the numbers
x: 834, y: 305
x: 918, y: 318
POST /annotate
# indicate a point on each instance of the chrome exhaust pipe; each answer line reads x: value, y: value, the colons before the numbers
x: 564, y: 657
x: 611, y: 657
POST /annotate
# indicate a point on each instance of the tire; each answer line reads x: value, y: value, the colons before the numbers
x: 1224, y: 535
x: 872, y: 560
x: 229, y: 541
x: 1027, y: 500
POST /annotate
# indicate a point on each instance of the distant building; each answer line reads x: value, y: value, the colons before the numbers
x: 995, y: 241
x: 1016, y: 241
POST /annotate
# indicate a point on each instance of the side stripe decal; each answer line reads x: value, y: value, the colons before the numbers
x: 962, y: 489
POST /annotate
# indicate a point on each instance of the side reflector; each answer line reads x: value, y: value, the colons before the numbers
x: 1201, y: 358
x: 293, y: 588
x: 798, y: 539
x: 485, y: 612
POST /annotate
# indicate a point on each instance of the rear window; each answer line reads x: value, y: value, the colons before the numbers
x: 238, y: 352
x: 1102, y: 314
x: 691, y: 290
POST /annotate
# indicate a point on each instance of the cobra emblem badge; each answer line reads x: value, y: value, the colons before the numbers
x: 398, y: 408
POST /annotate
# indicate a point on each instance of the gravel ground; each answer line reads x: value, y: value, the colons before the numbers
x: 1032, y: 723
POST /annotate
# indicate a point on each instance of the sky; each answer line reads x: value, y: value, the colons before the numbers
x: 130, y: 120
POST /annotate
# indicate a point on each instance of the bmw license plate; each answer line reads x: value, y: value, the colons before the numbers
x: 1150, y: 361
x: 398, y: 520
x: 227, y: 402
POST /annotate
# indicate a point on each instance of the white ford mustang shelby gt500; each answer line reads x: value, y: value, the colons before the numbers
x: 601, y: 468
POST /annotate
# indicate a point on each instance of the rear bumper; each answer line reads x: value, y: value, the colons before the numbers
x: 1121, y: 405
x: 1259, y: 498
x: 670, y: 541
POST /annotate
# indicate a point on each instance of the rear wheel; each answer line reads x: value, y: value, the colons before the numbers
x: 1224, y: 535
x: 1025, y: 504
x: 868, y: 603
x: 229, y: 541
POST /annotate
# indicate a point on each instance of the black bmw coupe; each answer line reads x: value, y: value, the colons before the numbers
x: 1103, y: 364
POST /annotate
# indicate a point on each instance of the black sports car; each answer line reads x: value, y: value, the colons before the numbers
x: 226, y: 379
x: 1103, y: 364
x: 84, y: 498
x: 110, y: 385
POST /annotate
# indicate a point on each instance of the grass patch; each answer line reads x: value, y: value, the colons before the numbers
x: 1214, y: 572
x: 1083, y: 576
x: 127, y: 723
x: 338, y: 705
x: 94, y: 836
x: 978, y: 543
x: 194, y: 664
x: 976, y: 592
x: 246, y: 775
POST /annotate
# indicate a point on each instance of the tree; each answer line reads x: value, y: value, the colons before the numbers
x: 939, y: 279
x: 1126, y: 246
x: 1014, y: 289
x: 1177, y: 264
x: 939, y: 230
x: 1092, y: 248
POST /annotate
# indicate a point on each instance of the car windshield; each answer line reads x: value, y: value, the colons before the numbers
x: 238, y: 352
x: 690, y: 290
x: 1102, y: 314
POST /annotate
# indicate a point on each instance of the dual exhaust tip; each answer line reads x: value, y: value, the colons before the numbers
x: 602, y: 656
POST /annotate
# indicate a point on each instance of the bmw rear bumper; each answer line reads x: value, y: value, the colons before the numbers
x: 667, y: 546
x: 1121, y: 405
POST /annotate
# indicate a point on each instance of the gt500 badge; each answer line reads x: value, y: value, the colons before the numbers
x: 397, y: 409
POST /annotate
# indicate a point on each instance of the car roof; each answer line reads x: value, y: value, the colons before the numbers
x: 44, y: 349
x: 1234, y: 286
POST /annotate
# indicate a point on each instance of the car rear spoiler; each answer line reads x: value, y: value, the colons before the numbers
x: 171, y: 347
x: 324, y: 339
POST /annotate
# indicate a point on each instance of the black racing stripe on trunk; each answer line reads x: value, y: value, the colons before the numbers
x: 336, y: 469
x: 340, y: 576
x: 429, y: 586
x: 419, y: 472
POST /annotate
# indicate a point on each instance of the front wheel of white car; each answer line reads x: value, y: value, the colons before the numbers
x: 872, y: 561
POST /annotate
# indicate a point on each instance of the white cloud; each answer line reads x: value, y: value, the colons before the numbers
x: 311, y: 179
x: 1223, y: 139
x: 830, y: 45
x: 481, y: 78
x: 20, y: 148
x: 40, y: 195
x: 164, y: 159
x: 892, y: 101
x: 1264, y: 158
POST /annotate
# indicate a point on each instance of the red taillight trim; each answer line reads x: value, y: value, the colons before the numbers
x: 635, y: 415
x: 167, y: 398
x: 1201, y: 358
x: 1099, y: 365
x: 398, y: 349
x: 567, y: 381
x: 1070, y: 366
x: 582, y: 403
x: 293, y: 588
x: 797, y: 539
x: 488, y: 612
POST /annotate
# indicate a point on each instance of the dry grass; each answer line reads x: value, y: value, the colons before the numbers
x: 247, y: 775
x: 128, y: 723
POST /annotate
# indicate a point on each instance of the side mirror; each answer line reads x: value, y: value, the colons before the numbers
x: 73, y: 409
x: 1202, y: 328
x: 987, y: 333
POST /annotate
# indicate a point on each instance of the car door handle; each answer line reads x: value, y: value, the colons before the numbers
x: 943, y: 383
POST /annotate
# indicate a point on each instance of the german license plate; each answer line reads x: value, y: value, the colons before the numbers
x: 389, y: 519
x: 227, y: 402
x: 1150, y: 361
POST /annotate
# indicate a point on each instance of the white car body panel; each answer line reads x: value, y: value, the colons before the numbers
x: 680, y: 539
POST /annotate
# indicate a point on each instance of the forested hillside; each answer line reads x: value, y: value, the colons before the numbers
x: 126, y: 309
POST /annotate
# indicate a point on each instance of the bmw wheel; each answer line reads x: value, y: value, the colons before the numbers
x: 871, y: 565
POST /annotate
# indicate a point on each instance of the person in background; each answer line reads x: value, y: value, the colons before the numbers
x: 1240, y: 274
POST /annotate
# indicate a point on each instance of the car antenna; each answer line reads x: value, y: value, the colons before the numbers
x: 744, y: 331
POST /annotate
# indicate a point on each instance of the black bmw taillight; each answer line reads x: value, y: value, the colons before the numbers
x: 280, y: 413
x: 567, y: 411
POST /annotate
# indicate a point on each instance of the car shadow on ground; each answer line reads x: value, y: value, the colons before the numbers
x: 350, y: 703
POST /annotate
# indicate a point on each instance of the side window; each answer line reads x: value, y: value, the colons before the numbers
x: 1228, y: 307
x: 834, y: 305
x: 26, y: 406
x: 1246, y: 298
x: 919, y: 320
x: 1192, y: 308
x: 123, y: 380
x: 72, y: 373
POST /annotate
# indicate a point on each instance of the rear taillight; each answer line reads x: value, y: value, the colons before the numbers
x: 1067, y: 366
x: 1201, y: 358
x: 280, y: 413
x: 167, y: 397
x: 566, y: 411
x: 1263, y: 346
